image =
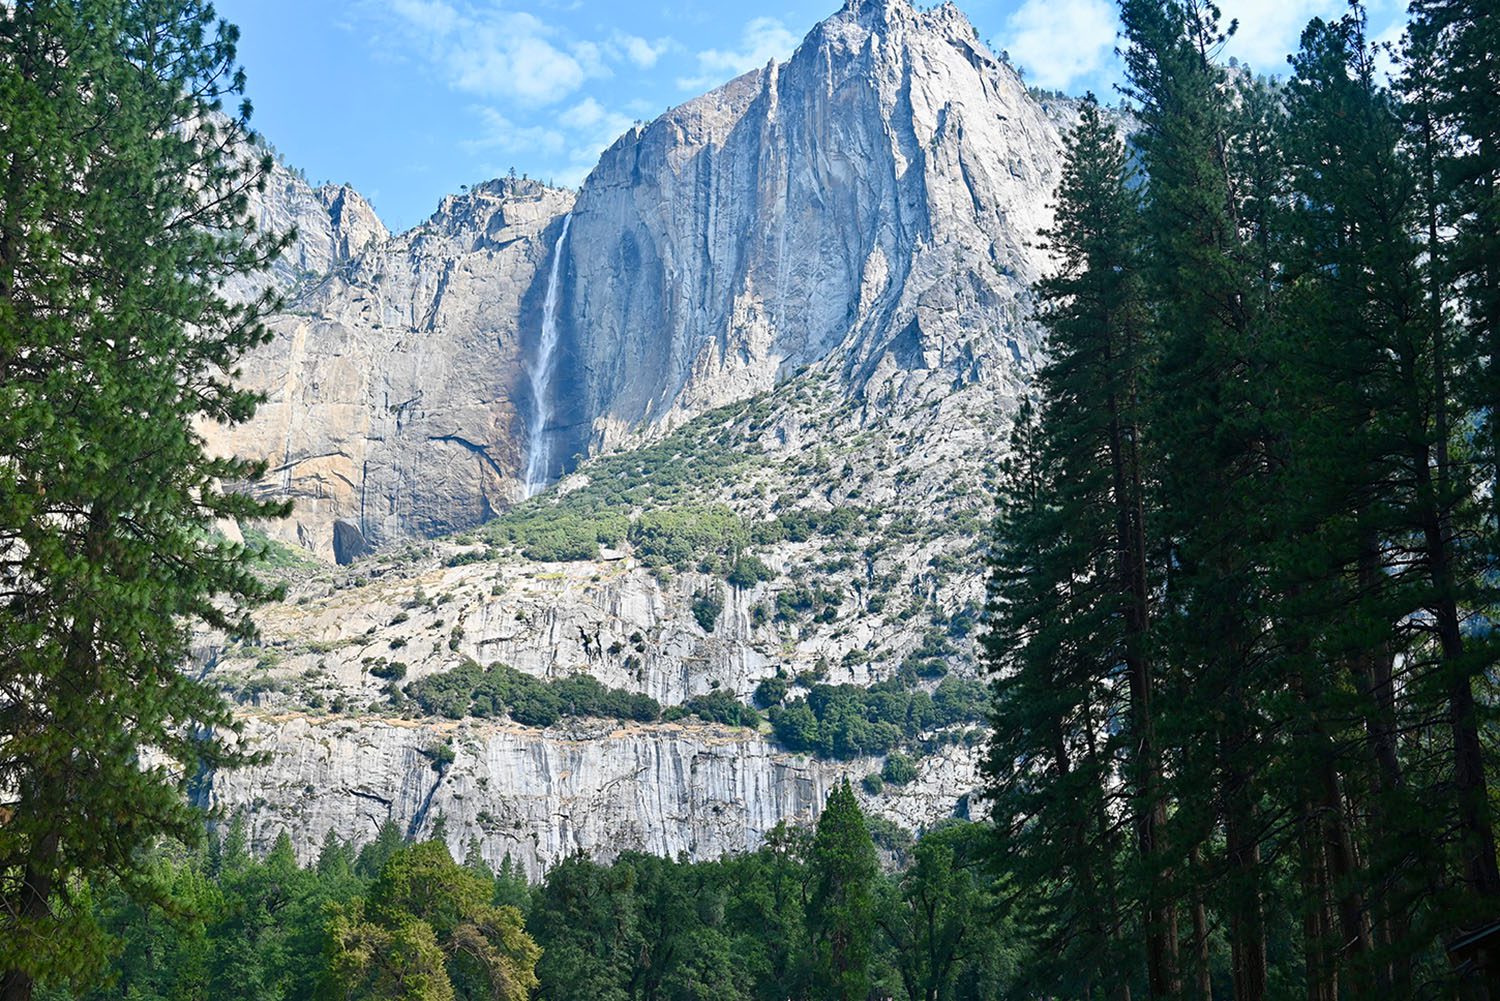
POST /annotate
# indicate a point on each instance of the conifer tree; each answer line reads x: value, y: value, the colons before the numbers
x: 1456, y: 70
x: 840, y: 910
x: 1069, y: 595
x: 1211, y: 450
x: 123, y: 209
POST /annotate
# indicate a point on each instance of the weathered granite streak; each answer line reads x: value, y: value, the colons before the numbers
x: 599, y: 788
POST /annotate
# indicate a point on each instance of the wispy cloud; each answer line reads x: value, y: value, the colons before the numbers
x: 497, y: 132
x: 1069, y: 44
x: 521, y: 68
x: 485, y: 52
x: 763, y: 39
x: 1270, y: 30
x: 642, y: 52
x: 1062, y: 43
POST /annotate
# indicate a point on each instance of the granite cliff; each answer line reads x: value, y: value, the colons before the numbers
x: 868, y: 208
x: 762, y: 363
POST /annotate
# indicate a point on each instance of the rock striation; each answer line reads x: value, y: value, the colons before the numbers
x: 870, y: 208
x: 539, y: 796
x: 391, y: 409
x: 826, y: 264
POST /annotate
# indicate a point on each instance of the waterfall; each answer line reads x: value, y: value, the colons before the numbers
x: 538, y: 447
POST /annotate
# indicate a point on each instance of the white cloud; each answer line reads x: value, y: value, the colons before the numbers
x: 432, y: 15
x: 1062, y: 42
x: 1069, y: 44
x: 594, y: 129
x: 1270, y: 30
x: 641, y: 52
x: 763, y: 39
x: 584, y: 114
x: 490, y: 53
x: 1387, y: 45
x: 500, y: 133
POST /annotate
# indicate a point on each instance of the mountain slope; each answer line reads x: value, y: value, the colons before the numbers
x: 790, y: 324
x: 869, y: 208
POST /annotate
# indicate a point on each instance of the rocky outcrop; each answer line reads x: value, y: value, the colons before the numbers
x: 869, y: 207
x: 843, y: 243
x: 904, y: 582
x: 538, y: 796
x: 333, y: 226
x: 390, y: 385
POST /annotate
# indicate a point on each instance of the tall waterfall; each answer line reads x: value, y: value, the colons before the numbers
x: 538, y: 445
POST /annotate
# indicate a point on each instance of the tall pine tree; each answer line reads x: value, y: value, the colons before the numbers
x: 123, y: 208
x: 1070, y: 599
x: 840, y: 910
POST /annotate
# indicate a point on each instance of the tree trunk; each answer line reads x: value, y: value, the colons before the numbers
x: 1247, y: 929
x: 1202, y: 967
x: 1321, y: 975
x: 1151, y: 811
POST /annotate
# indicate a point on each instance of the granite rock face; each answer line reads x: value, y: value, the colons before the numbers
x: 333, y: 224
x: 390, y: 384
x: 830, y: 259
x: 870, y: 208
x: 539, y: 796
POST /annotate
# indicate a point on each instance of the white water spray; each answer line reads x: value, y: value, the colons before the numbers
x: 539, y: 448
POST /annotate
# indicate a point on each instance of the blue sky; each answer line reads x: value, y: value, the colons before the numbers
x: 409, y: 99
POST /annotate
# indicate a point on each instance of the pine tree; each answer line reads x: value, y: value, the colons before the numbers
x: 1456, y: 45
x: 1211, y: 450
x: 840, y: 911
x: 123, y: 208
x: 1069, y: 595
x: 426, y: 928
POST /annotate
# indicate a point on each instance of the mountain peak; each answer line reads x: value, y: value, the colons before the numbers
x: 883, y: 14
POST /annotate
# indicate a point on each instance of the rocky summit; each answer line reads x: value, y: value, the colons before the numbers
x: 634, y: 517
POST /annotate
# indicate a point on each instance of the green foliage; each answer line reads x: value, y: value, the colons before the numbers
x: 393, y: 671
x: 123, y: 212
x: 548, y: 533
x: 821, y: 604
x: 804, y: 524
x: 841, y: 907
x: 1246, y: 527
x: 500, y: 690
x: 428, y: 931
x: 898, y: 769
x: 406, y: 921
x: 770, y: 691
x: 717, y: 707
x: 441, y: 755
x: 706, y: 608
x: 846, y: 721
x: 749, y: 571
x: 680, y: 537
x: 272, y: 554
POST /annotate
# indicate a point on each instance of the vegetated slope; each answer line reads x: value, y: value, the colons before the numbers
x: 698, y: 635
x: 869, y: 208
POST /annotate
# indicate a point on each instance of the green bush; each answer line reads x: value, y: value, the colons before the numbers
x: 771, y: 691
x: 680, y: 537
x: 442, y: 755
x: 749, y: 571
x: 716, y: 707
x: 500, y: 690
x: 846, y: 721
x: 873, y: 784
x: 706, y: 609
x: 898, y: 769
x: 394, y: 671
